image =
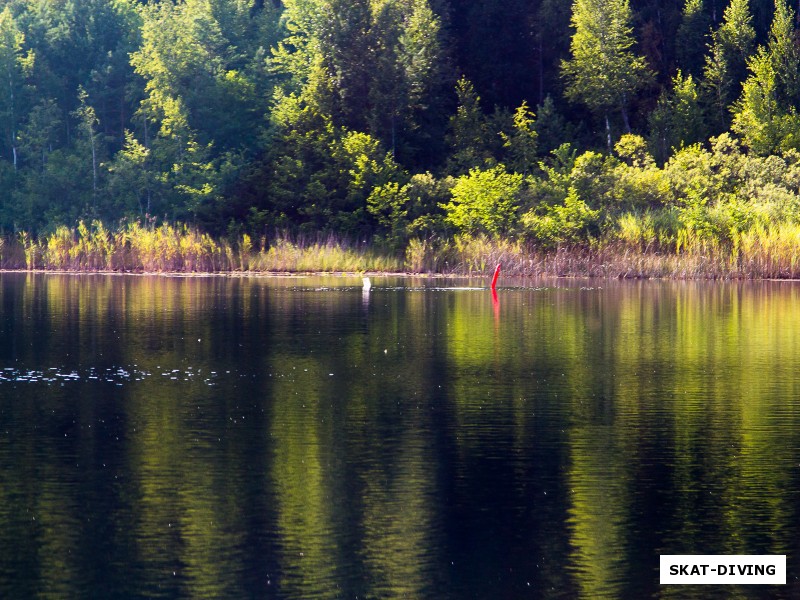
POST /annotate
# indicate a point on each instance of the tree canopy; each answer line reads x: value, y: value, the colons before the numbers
x: 383, y: 119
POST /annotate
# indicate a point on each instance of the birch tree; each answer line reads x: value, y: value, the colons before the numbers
x: 604, y: 72
x: 14, y: 63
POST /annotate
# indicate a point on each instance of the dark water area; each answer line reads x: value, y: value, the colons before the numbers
x: 298, y: 438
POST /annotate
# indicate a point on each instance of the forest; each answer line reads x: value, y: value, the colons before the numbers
x: 417, y: 127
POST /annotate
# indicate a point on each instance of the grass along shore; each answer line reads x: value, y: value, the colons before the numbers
x: 758, y: 254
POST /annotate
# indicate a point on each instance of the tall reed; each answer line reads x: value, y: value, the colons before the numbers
x: 146, y: 248
x: 329, y: 255
x: 639, y: 248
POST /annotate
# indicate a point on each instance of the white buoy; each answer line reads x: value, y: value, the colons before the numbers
x: 367, y: 284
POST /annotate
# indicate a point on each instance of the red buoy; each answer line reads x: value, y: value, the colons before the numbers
x: 496, y: 275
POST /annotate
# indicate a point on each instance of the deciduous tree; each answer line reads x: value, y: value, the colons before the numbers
x: 15, y: 63
x: 604, y: 72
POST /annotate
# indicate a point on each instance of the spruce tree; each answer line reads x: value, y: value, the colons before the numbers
x: 677, y: 120
x: 690, y: 39
x: 784, y: 54
x: 468, y: 135
x: 726, y: 63
x: 765, y: 114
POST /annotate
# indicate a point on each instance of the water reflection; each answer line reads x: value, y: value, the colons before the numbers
x: 304, y: 438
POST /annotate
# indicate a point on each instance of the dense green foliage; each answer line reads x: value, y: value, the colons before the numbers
x: 400, y: 121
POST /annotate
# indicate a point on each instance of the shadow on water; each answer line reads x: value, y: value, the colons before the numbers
x: 305, y: 438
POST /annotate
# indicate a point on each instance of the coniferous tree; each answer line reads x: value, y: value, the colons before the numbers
x: 690, y: 44
x: 758, y: 117
x: 678, y: 118
x: 320, y: 102
x: 785, y: 54
x: 87, y: 44
x: 130, y: 179
x: 497, y: 41
x: 552, y: 44
x: 377, y: 67
x: 765, y: 114
x: 520, y: 142
x: 426, y: 77
x: 39, y: 133
x: 726, y: 63
x: 468, y: 134
x: 552, y: 129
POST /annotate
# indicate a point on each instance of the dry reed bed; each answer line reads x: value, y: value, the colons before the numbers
x: 759, y: 253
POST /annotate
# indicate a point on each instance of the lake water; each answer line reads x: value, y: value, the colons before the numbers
x: 298, y: 438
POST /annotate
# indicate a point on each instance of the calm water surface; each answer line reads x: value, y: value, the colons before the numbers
x: 297, y: 438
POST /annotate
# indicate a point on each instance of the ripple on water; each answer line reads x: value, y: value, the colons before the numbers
x: 114, y: 374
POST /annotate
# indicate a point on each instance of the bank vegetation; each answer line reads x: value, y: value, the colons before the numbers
x: 613, y: 139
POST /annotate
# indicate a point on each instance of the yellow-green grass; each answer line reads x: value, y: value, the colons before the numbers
x: 636, y: 250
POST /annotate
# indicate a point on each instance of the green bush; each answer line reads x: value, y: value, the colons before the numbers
x: 485, y: 201
x: 571, y: 222
x: 388, y: 204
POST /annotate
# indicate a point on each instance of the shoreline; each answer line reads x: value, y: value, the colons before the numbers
x: 396, y: 274
x: 182, y: 251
